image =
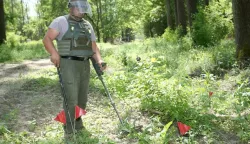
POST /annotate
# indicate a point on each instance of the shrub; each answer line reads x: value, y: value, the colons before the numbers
x: 212, y: 24
x: 224, y: 55
x: 13, y: 40
x: 5, y: 53
x: 170, y: 35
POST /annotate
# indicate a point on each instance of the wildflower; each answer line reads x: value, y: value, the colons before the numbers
x: 153, y: 59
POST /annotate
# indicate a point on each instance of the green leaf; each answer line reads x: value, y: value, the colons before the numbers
x: 165, y: 129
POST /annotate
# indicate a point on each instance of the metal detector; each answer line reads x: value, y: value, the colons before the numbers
x: 100, y: 73
x: 65, y: 98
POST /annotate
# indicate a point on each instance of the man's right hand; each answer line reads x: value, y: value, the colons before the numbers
x: 55, y: 59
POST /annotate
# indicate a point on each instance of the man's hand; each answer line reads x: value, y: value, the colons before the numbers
x: 102, y: 65
x: 49, y: 46
x: 99, y: 66
x: 55, y: 59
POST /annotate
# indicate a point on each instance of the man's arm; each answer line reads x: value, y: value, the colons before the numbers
x: 97, y: 55
x: 49, y: 46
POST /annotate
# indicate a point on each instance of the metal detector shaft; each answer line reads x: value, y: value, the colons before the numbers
x: 110, y: 98
x: 65, y: 98
x: 99, y: 74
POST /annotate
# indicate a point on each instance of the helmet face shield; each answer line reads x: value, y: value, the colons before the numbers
x: 82, y: 6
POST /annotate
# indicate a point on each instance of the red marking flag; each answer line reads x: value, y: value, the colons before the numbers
x: 78, y: 113
x: 183, y: 128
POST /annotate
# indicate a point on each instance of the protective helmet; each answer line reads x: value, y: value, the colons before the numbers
x: 82, y: 5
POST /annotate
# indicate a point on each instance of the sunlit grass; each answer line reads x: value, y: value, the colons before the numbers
x: 22, y: 51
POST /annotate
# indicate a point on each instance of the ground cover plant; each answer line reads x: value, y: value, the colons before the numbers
x: 154, y: 82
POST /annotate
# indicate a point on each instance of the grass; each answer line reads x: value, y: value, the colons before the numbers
x: 22, y: 51
x: 175, y: 81
x: 172, y: 82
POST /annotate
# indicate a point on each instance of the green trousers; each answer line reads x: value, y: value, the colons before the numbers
x: 75, y: 77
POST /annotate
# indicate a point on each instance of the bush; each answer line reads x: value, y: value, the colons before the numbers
x: 5, y: 53
x: 155, y: 22
x: 13, y: 40
x: 212, y: 24
x: 224, y: 55
x: 170, y: 35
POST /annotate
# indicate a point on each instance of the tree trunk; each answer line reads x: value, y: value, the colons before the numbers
x: 176, y: 13
x: 206, y: 2
x: 192, y: 9
x: 170, y: 18
x: 99, y: 19
x: 241, y: 15
x: 182, y: 20
x: 23, y: 18
x: 2, y: 23
x: 26, y: 10
x: 12, y: 7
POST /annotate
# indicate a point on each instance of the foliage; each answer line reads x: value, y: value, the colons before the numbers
x: 116, y: 19
x: 224, y: 54
x: 14, y: 15
x: 13, y: 40
x: 47, y: 10
x: 13, y: 50
x: 155, y: 20
x: 170, y: 35
x: 109, y: 18
x: 35, y: 29
x: 213, y: 23
x: 177, y: 84
x: 5, y: 53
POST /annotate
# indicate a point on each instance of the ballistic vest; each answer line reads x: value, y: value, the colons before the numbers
x: 77, y: 40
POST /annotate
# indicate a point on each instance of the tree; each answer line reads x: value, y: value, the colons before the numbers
x: 155, y: 18
x: 170, y: 16
x: 97, y: 13
x: 192, y: 9
x: 182, y: 20
x: 23, y: 16
x: 241, y: 16
x: 176, y: 13
x: 206, y: 2
x: 13, y: 17
x: 2, y: 23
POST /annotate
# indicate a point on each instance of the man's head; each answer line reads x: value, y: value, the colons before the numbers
x: 79, y: 7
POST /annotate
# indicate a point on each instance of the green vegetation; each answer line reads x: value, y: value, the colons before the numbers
x: 174, y: 81
x: 16, y: 49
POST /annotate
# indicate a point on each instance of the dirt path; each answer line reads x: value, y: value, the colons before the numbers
x: 17, y: 102
x: 26, y: 107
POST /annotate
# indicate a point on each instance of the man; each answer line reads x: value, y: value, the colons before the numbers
x: 76, y: 43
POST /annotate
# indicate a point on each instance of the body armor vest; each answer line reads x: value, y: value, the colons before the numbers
x: 77, y: 40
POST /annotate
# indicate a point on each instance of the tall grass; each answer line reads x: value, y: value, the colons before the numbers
x: 16, y: 49
x: 175, y: 79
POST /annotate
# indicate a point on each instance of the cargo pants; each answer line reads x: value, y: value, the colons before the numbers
x: 75, y: 77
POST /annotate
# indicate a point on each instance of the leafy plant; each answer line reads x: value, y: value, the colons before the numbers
x: 212, y: 24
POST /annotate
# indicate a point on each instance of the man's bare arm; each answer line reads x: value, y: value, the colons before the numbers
x: 49, y: 46
x: 97, y: 55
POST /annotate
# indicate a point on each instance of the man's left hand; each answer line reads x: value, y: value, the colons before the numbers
x: 102, y: 65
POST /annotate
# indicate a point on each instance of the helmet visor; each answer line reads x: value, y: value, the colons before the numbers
x: 82, y: 6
